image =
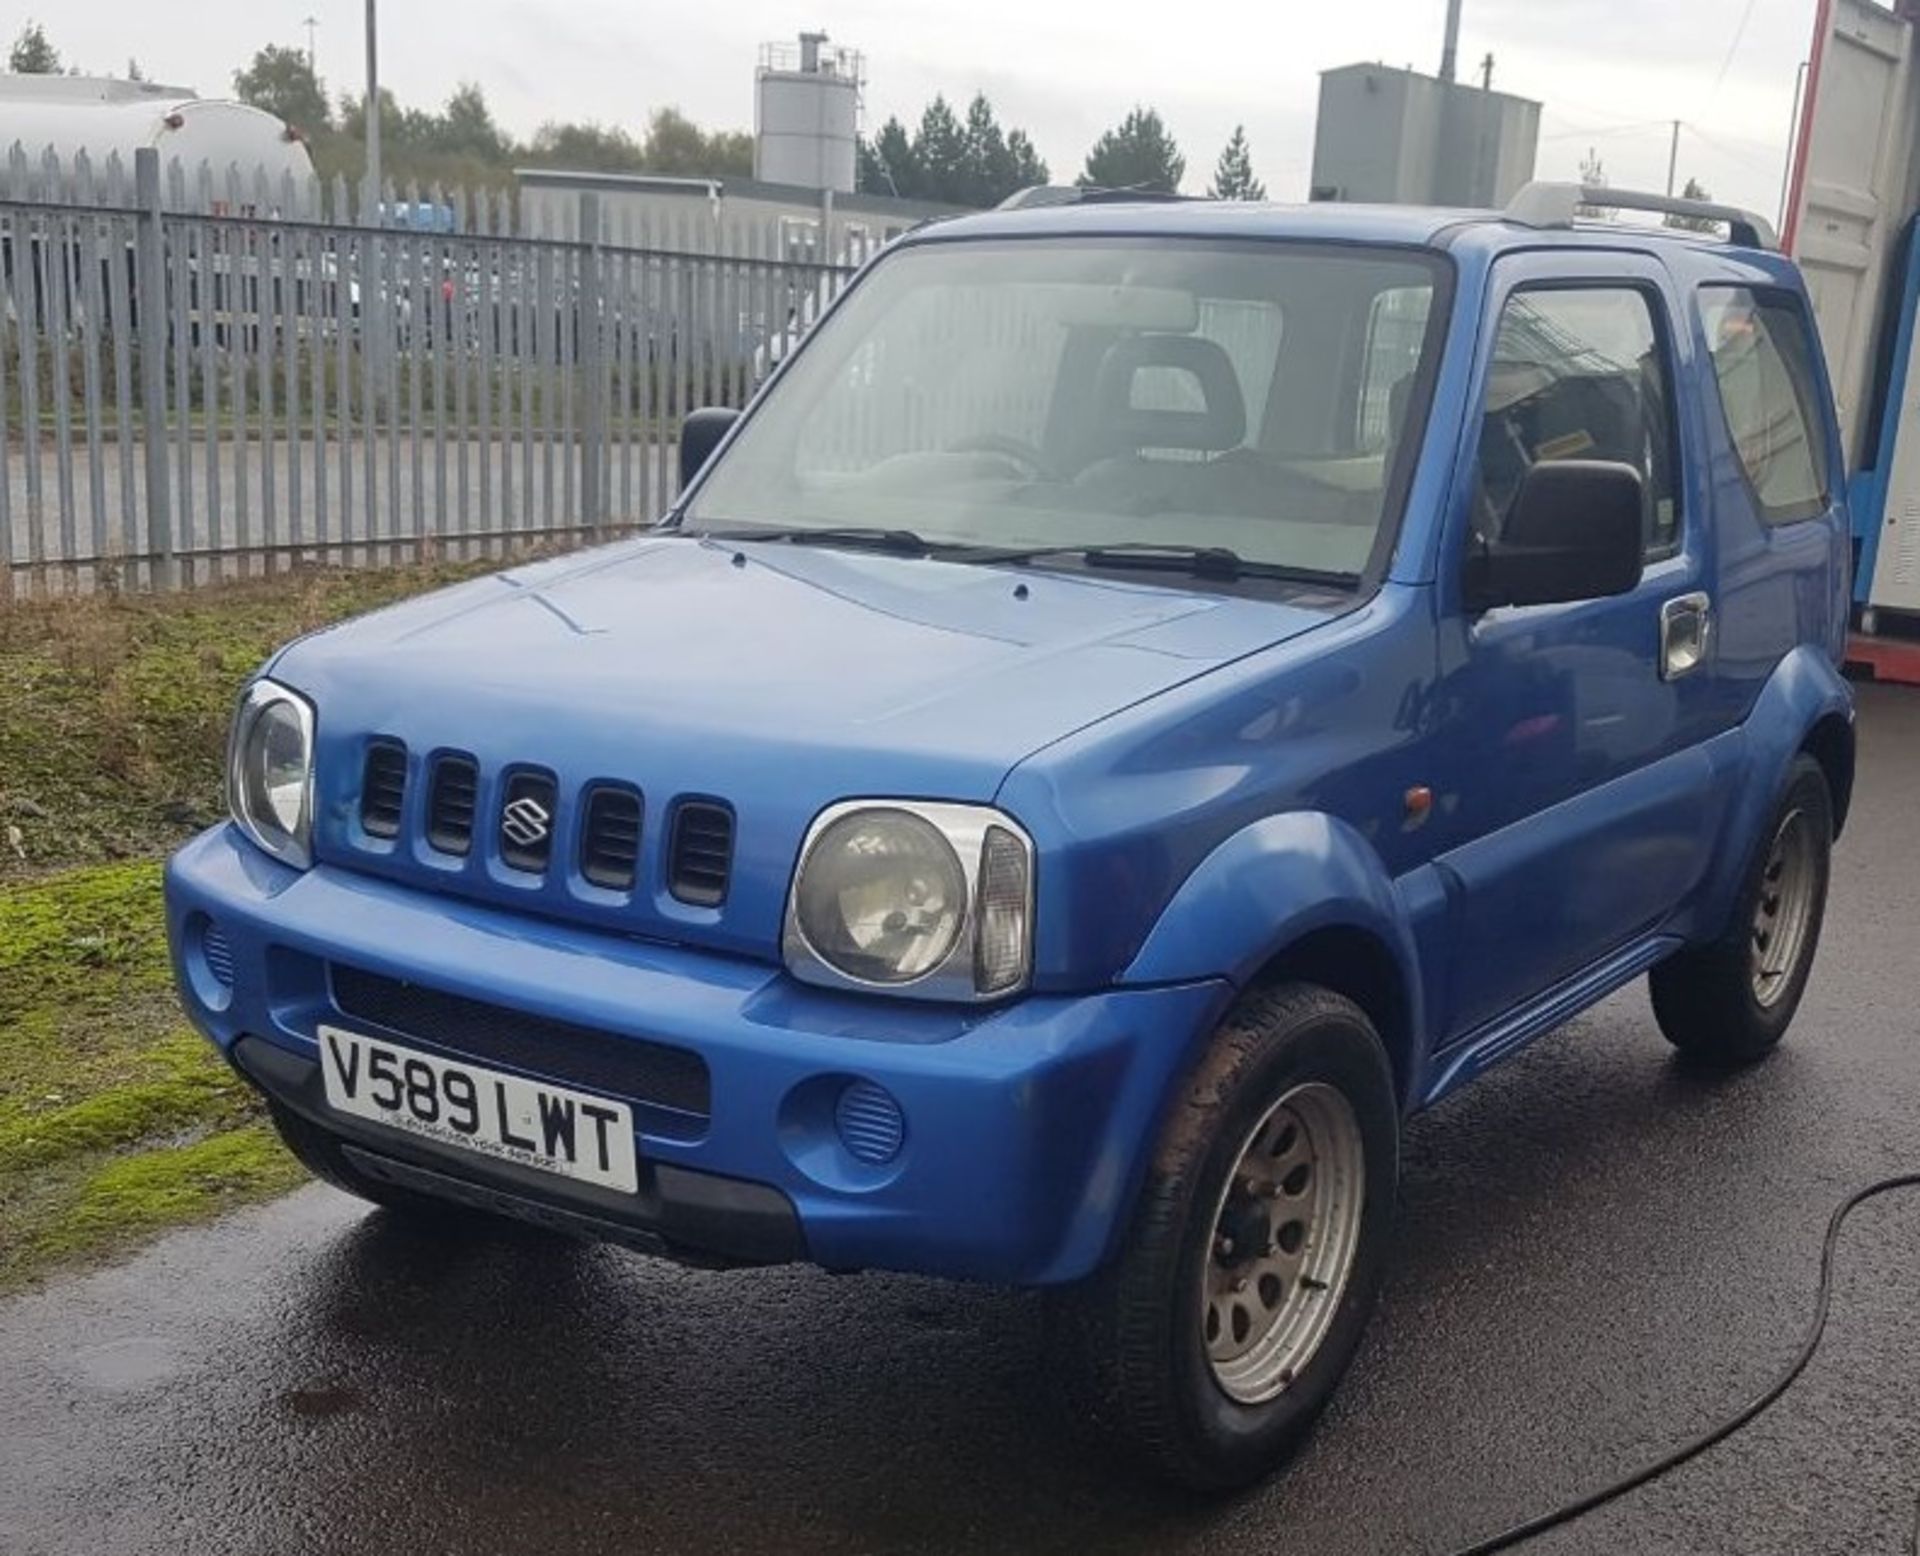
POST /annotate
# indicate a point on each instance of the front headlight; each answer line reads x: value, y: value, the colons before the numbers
x: 270, y: 771
x: 934, y: 901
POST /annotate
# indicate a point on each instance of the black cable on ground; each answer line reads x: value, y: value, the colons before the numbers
x: 1579, y: 1508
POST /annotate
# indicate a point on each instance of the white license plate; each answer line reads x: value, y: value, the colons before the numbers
x: 503, y: 1116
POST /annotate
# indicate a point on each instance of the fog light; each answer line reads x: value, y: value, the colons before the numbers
x: 870, y: 1122
x: 219, y: 954
x: 206, y: 957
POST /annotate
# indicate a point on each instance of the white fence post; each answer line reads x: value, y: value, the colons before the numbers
x: 593, y: 412
x: 150, y: 248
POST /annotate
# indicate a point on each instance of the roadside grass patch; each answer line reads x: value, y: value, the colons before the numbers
x: 116, y: 1118
x: 114, y: 707
x: 128, y: 1196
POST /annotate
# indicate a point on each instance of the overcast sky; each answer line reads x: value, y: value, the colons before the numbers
x: 1608, y: 71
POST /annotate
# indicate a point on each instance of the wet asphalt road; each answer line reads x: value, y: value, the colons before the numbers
x: 1600, y: 1254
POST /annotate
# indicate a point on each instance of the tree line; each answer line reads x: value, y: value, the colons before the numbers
x: 968, y: 160
x: 462, y: 141
x: 974, y: 162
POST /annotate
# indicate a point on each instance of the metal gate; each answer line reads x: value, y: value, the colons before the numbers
x: 208, y: 378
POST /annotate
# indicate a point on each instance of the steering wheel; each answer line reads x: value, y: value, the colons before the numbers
x: 1008, y: 447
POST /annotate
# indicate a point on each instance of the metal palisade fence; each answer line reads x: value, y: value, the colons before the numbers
x: 205, y: 377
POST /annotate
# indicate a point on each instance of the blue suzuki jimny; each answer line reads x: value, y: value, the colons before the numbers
x: 1148, y: 696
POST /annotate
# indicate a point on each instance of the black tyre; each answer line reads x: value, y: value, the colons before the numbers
x: 1730, y: 1002
x: 1220, y: 1329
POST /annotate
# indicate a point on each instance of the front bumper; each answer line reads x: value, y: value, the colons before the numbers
x: 1023, y: 1130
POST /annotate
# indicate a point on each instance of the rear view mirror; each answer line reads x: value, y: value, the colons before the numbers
x: 1574, y: 533
x: 1160, y: 310
x: 700, y: 435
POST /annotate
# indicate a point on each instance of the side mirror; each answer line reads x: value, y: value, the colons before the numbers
x: 1574, y: 533
x: 700, y: 435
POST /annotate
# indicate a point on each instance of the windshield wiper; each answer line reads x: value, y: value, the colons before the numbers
x: 1206, y: 562
x: 895, y: 542
x: 1212, y: 562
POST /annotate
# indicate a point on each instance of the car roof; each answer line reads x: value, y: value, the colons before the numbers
x: 1325, y: 222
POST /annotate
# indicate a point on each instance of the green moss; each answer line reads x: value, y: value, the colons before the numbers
x: 116, y: 1118
x: 189, y: 1087
x: 101, y: 1080
x: 89, y: 937
x: 114, y: 708
x: 157, y: 1188
x: 128, y: 1196
x: 86, y: 1001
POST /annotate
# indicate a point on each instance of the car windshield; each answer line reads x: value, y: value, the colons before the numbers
x: 1245, y: 398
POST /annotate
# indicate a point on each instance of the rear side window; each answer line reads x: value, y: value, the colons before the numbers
x: 1763, y: 363
x: 1579, y: 372
x: 1396, y: 336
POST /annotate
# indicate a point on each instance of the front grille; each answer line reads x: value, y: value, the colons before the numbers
x: 481, y: 821
x: 453, y: 795
x: 610, y: 841
x: 527, y: 811
x: 701, y: 853
x: 383, y: 788
x: 647, y: 1072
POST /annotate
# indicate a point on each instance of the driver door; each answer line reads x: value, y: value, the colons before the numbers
x: 1581, y: 797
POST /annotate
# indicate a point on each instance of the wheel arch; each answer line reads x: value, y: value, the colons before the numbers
x: 1358, y: 965
x: 1304, y: 897
x: 1831, y: 743
x: 1805, y: 707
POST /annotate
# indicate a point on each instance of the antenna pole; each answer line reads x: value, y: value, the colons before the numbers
x: 372, y: 116
x: 1450, y: 49
x: 1793, y: 132
x: 1673, y: 155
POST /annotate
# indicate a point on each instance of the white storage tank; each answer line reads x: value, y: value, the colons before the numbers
x: 104, y: 117
x: 807, y: 114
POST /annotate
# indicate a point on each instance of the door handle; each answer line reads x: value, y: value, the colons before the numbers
x: 1686, y: 630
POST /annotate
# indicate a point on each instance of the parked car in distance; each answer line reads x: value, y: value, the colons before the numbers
x: 1148, y: 697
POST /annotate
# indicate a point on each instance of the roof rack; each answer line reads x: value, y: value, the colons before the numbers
x: 1544, y: 204
x: 1035, y: 195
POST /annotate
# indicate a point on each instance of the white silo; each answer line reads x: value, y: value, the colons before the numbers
x: 807, y: 114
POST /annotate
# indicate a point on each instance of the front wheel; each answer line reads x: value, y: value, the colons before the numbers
x: 1219, y: 1331
x: 1729, y: 1003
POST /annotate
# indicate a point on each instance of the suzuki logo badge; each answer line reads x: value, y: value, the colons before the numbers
x: 526, y: 822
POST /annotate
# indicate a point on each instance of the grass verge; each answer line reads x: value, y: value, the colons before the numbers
x: 116, y: 1119
x: 114, y: 708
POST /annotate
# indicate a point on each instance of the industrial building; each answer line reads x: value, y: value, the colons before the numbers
x: 1402, y: 138
x: 806, y: 114
x: 1397, y: 137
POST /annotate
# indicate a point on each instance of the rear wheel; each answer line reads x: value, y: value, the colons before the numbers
x: 1729, y: 1003
x: 1218, y: 1333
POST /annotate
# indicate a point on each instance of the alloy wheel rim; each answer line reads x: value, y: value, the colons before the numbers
x: 1784, y: 913
x: 1284, y: 1239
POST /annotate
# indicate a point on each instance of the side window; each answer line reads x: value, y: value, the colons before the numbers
x: 1763, y: 363
x: 1396, y: 333
x: 1579, y: 373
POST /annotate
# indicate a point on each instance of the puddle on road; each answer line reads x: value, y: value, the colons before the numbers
x: 321, y: 1402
